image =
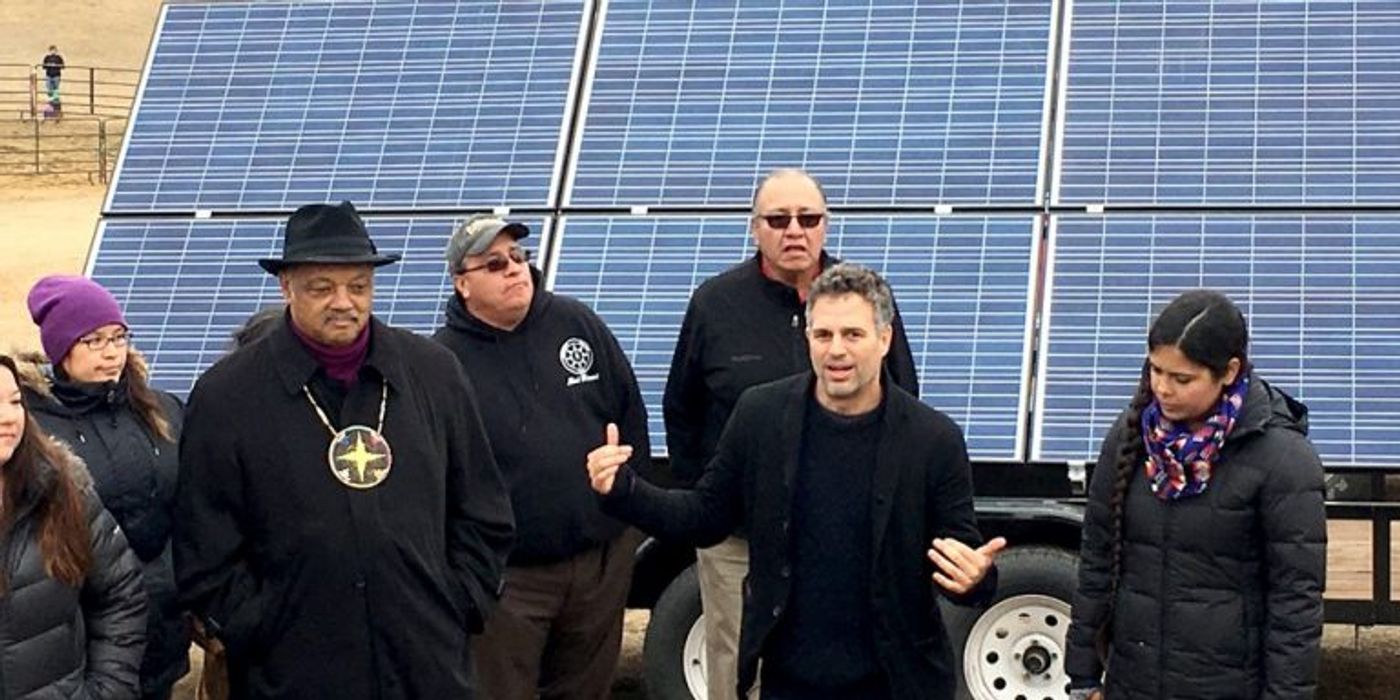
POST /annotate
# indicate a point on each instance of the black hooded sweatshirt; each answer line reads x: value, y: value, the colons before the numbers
x: 547, y: 390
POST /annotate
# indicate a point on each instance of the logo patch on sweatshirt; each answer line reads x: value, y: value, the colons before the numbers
x: 576, y: 355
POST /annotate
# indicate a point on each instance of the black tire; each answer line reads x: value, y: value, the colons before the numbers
x: 1030, y: 570
x: 676, y: 612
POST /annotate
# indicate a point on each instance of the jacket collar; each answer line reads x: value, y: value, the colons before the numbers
x: 1266, y: 405
x: 295, y: 365
x: 778, y: 290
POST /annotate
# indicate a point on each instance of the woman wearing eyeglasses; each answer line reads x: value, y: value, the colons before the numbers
x: 72, y: 612
x: 95, y: 397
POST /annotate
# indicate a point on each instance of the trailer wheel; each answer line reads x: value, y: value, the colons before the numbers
x: 1015, y: 648
x: 673, y: 655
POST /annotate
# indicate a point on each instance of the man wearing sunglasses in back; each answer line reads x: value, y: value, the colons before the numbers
x: 550, y: 377
x: 744, y: 327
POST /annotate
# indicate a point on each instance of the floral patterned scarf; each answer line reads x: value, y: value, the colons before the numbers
x: 1180, y: 460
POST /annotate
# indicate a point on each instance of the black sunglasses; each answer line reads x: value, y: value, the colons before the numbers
x: 782, y: 221
x: 498, y: 263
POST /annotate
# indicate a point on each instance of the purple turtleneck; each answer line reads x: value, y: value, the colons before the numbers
x: 340, y: 363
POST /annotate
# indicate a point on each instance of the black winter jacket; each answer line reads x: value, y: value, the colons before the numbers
x: 134, y: 473
x: 742, y: 329
x: 1221, y: 594
x: 921, y: 489
x: 543, y: 418
x: 316, y: 589
x: 61, y: 642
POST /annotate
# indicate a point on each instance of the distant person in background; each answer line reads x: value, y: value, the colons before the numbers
x: 744, y: 327
x: 72, y: 612
x: 1204, y: 550
x: 553, y: 376
x: 53, y: 72
x: 96, y: 397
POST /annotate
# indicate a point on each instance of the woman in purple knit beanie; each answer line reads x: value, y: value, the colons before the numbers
x: 95, y: 395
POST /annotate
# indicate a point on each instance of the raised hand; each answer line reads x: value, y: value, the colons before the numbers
x: 960, y: 567
x: 605, y: 460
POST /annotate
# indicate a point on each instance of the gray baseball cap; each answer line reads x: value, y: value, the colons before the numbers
x: 476, y: 235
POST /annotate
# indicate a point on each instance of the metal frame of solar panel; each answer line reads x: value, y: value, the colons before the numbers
x: 962, y: 284
x: 1318, y: 289
x: 890, y: 105
x: 185, y: 285
x: 395, y: 104
x: 1230, y: 103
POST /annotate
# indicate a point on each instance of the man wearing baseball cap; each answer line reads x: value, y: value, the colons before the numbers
x: 341, y: 522
x: 552, y: 376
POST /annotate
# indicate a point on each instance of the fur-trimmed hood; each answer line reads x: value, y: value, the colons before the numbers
x: 36, y: 371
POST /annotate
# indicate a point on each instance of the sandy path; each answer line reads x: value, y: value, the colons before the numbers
x: 43, y: 230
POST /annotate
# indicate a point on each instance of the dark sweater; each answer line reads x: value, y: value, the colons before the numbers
x: 543, y: 418
x: 826, y: 640
x: 742, y: 329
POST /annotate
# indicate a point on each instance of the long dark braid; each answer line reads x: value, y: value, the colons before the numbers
x: 1130, y: 456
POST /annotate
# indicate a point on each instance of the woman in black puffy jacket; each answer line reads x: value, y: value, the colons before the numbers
x: 1203, y: 556
x: 96, y: 398
x: 72, y: 608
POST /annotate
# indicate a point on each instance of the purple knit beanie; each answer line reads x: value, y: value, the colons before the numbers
x: 66, y: 308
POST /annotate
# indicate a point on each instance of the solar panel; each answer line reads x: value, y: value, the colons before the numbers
x: 961, y: 284
x: 186, y: 285
x: 1230, y: 102
x: 887, y: 103
x: 391, y: 104
x: 1319, y: 291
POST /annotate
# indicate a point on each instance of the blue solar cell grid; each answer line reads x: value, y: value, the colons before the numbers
x: 186, y: 285
x: 961, y: 285
x: 433, y: 103
x: 887, y: 103
x: 1230, y: 102
x: 1319, y: 291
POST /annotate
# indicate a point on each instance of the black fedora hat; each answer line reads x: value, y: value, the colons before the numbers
x: 328, y: 234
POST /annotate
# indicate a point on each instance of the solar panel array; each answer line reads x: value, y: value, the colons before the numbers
x: 1232, y: 102
x: 186, y: 285
x: 392, y: 104
x: 887, y: 103
x: 1194, y: 114
x: 1319, y: 292
x: 962, y: 287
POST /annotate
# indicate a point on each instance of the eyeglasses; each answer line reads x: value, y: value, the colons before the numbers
x: 782, y: 221
x: 498, y: 263
x: 97, y: 343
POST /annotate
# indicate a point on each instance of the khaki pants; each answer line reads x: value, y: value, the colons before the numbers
x: 557, y: 630
x: 721, y: 570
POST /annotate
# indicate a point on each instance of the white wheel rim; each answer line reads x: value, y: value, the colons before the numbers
x: 1016, y: 650
x: 694, y: 660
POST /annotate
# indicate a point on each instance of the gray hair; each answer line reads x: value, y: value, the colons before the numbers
x: 785, y: 172
x: 850, y: 278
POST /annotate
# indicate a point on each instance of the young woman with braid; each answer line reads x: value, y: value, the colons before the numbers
x: 1203, y: 555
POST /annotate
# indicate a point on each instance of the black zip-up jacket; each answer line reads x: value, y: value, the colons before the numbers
x: 740, y: 330
x: 57, y: 641
x: 1221, y: 593
x: 134, y: 472
x: 319, y: 590
x: 543, y: 419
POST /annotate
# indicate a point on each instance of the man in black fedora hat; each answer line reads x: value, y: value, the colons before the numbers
x: 342, y: 521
